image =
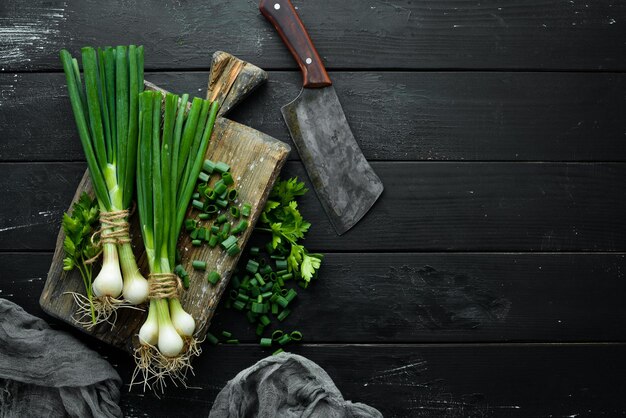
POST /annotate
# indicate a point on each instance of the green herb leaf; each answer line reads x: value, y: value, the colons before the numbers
x: 310, y: 264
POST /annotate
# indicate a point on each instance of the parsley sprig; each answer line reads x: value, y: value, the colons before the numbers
x: 282, y: 218
x: 78, y: 228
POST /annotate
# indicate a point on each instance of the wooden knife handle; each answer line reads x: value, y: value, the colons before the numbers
x: 283, y: 16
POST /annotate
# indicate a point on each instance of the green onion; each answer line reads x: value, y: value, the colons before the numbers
x: 106, y: 115
x: 226, y: 334
x: 277, y: 352
x: 234, y: 212
x: 266, y: 342
x: 284, y: 339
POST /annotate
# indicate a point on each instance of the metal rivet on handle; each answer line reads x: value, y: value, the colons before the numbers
x: 276, y: 6
x: 309, y: 60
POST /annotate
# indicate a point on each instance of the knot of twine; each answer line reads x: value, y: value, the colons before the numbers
x: 114, y: 229
x: 163, y: 285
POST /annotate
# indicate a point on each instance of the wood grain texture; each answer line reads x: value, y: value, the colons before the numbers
x: 426, y: 206
x: 394, y: 115
x: 409, y: 381
x: 409, y: 34
x: 425, y: 297
x: 255, y: 159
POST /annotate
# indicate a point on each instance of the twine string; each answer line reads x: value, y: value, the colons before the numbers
x: 114, y: 229
x: 163, y: 285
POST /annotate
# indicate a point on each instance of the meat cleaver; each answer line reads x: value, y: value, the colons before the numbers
x: 345, y: 183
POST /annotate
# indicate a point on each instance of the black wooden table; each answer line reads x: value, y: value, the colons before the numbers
x: 489, y: 278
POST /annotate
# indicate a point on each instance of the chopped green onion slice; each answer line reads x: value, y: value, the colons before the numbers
x: 208, y: 166
x: 284, y: 314
x: 266, y: 342
x: 229, y: 242
x: 213, y: 240
x: 212, y: 338
x: 196, y: 242
x: 265, y: 320
x: 197, y: 204
x: 252, y: 266
x: 198, y: 265
x: 233, y: 341
x: 282, y: 301
x: 276, y: 335
x: 246, y: 210
x: 221, y: 219
x: 233, y: 250
x: 213, y: 277
x: 219, y: 187
x: 254, y: 250
x: 296, y: 336
x: 234, y: 212
x: 240, y: 227
x: 204, y: 216
x: 277, y: 352
x: 227, y: 334
x: 203, y: 177
x: 222, y: 203
x: 228, y: 179
x: 222, y: 167
x: 284, y: 339
x: 232, y: 194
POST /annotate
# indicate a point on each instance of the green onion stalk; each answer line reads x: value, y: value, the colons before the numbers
x: 106, y: 111
x: 173, y: 139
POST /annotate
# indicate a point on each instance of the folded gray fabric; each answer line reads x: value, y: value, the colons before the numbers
x: 285, y: 386
x: 48, y: 373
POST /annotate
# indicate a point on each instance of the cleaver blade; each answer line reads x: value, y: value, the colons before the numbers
x: 344, y: 181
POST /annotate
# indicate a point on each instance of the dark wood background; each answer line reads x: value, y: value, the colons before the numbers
x: 489, y: 278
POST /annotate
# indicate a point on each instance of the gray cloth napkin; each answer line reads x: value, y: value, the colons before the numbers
x: 285, y: 386
x: 48, y: 373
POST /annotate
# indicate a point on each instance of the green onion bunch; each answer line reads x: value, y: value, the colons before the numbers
x: 173, y: 141
x: 106, y: 107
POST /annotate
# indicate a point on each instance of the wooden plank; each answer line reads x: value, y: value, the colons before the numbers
x: 482, y: 116
x: 427, y: 380
x: 424, y: 297
x: 426, y: 206
x: 551, y: 34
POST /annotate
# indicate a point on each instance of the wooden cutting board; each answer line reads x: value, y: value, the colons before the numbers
x: 255, y: 160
